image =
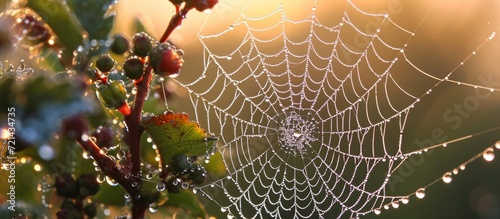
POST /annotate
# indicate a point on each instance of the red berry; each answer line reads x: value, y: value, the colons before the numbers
x: 74, y: 126
x: 203, y: 5
x: 166, y: 60
x: 104, y: 136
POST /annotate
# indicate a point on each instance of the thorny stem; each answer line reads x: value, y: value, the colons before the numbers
x: 133, y: 132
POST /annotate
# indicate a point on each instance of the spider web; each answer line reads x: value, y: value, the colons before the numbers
x: 312, y: 110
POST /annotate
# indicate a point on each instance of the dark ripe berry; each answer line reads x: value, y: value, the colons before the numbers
x: 69, y: 214
x: 198, y: 175
x: 105, y: 63
x: 176, y: 2
x: 133, y: 67
x: 166, y: 60
x: 142, y: 44
x: 173, y: 185
x: 68, y: 204
x: 87, y: 184
x: 74, y: 126
x: 32, y: 30
x: 203, y: 5
x: 104, y: 136
x: 90, y: 210
x: 66, y: 185
x: 120, y: 44
x: 180, y: 164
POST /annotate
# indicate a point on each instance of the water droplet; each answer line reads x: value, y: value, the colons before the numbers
x: 195, y: 190
x: 497, y: 144
x: 395, y: 204
x: 120, y: 154
x: 184, y: 185
x: 231, y: 27
x: 126, y: 195
x: 447, y: 177
x: 111, y: 181
x: 229, y: 57
x: 100, y: 178
x: 489, y: 154
x: 297, y: 133
x: 134, y: 184
x: 85, y: 155
x: 153, y: 207
x: 149, y: 175
x: 462, y: 166
x: 223, y: 209
x: 377, y: 211
x: 405, y: 200
x: 420, y: 193
x: 160, y: 186
x: 174, y: 75
x: 230, y: 216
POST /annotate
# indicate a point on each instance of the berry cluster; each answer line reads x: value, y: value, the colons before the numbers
x: 74, y: 192
x: 164, y: 59
x: 184, y: 169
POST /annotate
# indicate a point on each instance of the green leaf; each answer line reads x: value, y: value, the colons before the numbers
x: 174, y: 134
x: 187, y: 201
x: 94, y: 16
x: 108, y: 195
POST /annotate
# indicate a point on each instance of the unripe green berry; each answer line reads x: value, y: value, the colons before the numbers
x: 120, y: 44
x: 105, y: 63
x: 142, y: 44
x: 173, y: 186
x: 180, y: 164
x: 112, y: 95
x: 133, y: 67
x: 198, y: 175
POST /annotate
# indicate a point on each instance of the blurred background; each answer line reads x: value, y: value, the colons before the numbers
x: 446, y: 33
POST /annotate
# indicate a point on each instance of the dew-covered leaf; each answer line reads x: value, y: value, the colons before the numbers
x: 174, y: 134
x: 94, y: 16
